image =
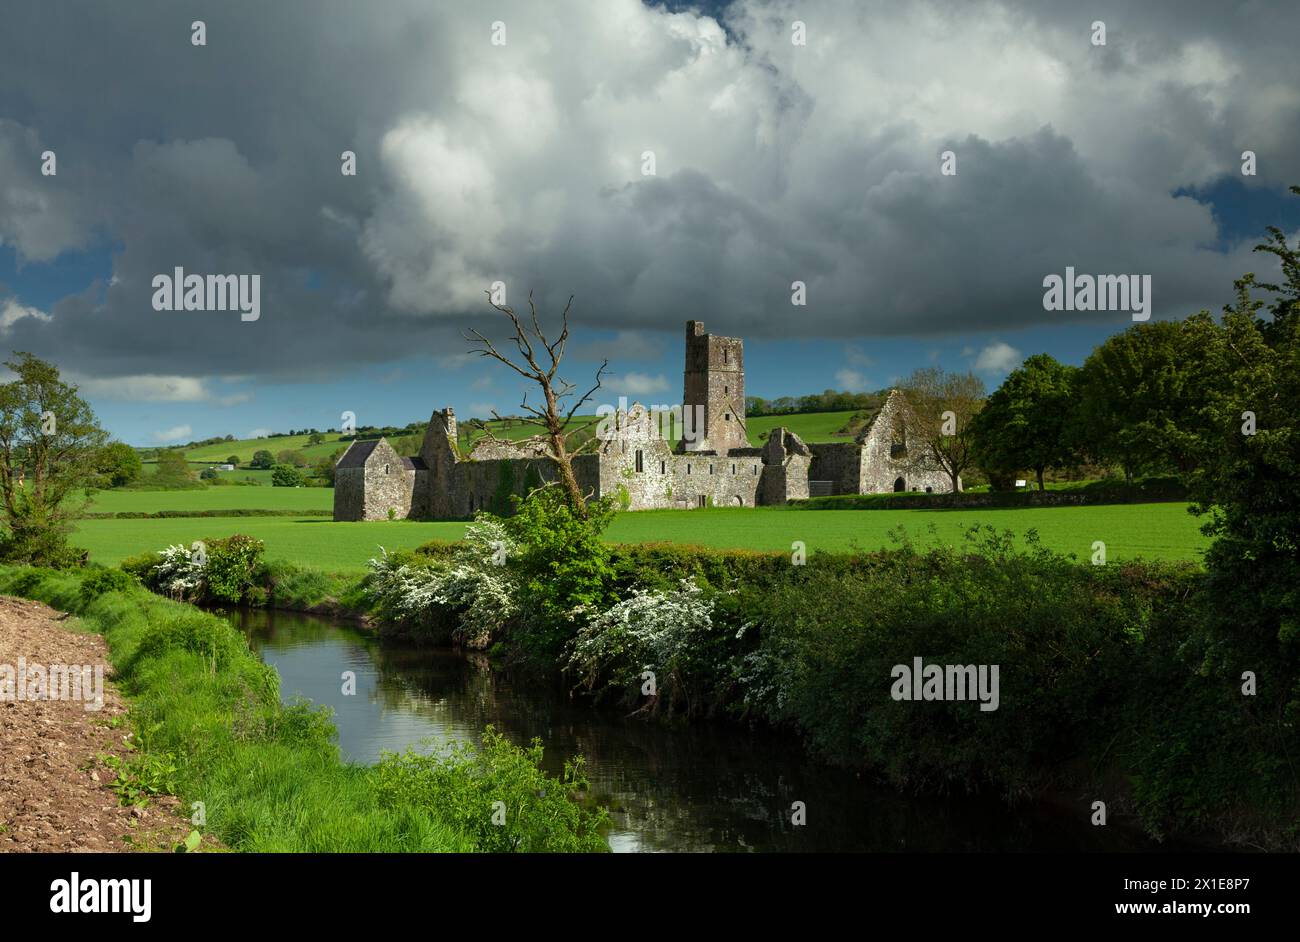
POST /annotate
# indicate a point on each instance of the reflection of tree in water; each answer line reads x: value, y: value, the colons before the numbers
x: 708, y: 786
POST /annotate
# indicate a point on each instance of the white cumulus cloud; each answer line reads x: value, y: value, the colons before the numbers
x: 177, y: 433
x: 998, y: 358
x: 851, y: 380
x: 640, y: 384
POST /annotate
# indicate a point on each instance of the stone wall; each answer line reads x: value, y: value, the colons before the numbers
x: 389, y: 484
x: 350, y: 494
x: 838, y: 462
x: 635, y: 465
x: 885, y: 464
x: 721, y: 480
x: 367, y: 490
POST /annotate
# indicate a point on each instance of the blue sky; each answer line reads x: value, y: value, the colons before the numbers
x: 526, y: 162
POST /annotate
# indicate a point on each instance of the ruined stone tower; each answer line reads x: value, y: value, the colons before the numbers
x: 714, y: 386
x: 439, y: 456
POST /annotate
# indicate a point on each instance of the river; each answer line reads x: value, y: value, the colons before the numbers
x: 712, y: 786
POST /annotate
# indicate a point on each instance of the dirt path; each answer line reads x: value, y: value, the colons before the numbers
x: 53, y: 790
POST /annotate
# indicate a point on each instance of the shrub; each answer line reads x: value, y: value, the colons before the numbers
x: 471, y: 589
x: 178, y: 572
x: 233, y: 567
x: 474, y: 789
x: 106, y: 580
x: 562, y: 566
x: 284, y: 475
x: 650, y: 631
x: 825, y: 643
x: 141, y: 566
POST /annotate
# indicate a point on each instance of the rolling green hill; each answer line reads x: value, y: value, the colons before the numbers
x: 245, y: 448
x: 811, y: 427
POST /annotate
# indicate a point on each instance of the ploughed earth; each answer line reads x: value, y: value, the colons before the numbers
x: 54, y: 793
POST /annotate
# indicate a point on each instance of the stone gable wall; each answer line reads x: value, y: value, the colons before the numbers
x: 349, y: 494
x: 389, y: 483
x: 881, y: 470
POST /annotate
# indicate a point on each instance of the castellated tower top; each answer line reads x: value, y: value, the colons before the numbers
x: 714, y: 381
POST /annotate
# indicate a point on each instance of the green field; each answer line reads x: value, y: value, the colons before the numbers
x: 214, y: 498
x: 1154, y: 531
x: 810, y: 426
x: 311, y: 541
x: 245, y: 448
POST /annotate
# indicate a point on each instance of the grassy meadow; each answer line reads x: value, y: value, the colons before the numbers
x: 1152, y: 531
x: 1157, y: 531
x: 214, y: 498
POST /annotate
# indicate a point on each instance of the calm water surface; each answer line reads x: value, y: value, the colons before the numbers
x: 706, y: 787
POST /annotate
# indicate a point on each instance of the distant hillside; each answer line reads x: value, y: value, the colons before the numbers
x: 811, y: 427
x: 245, y: 448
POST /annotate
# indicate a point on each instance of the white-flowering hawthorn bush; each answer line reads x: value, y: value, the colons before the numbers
x: 650, y: 630
x: 476, y: 586
x: 177, y: 572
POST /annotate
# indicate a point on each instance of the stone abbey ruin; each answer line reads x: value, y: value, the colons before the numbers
x: 636, y: 463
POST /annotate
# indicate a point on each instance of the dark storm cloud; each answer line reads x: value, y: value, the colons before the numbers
x: 523, y: 163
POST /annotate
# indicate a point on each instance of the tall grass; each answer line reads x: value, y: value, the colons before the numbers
x: 269, y: 776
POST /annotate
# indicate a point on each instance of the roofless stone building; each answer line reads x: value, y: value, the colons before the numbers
x: 635, y: 462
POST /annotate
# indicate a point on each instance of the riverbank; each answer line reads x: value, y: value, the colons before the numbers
x: 209, y: 727
x: 1103, y: 688
x: 55, y: 793
x: 700, y: 787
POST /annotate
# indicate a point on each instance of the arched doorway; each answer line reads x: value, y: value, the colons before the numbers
x: 740, y: 501
x: 899, y: 485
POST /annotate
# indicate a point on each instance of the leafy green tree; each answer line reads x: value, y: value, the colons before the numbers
x: 286, y: 475
x: 208, y: 474
x: 50, y: 443
x: 562, y: 562
x: 233, y: 461
x: 315, y: 438
x: 1026, y: 422
x: 946, y: 439
x: 262, y: 459
x: 120, y: 464
x: 172, y: 467
x: 292, y: 456
x: 1140, y: 396
x: 1246, y: 487
x: 324, y: 467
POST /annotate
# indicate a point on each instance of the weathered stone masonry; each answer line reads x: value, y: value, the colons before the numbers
x: 714, y: 465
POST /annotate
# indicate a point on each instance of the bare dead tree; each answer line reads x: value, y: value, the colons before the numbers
x: 539, y: 361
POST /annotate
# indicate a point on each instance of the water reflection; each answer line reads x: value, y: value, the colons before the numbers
x: 707, y: 787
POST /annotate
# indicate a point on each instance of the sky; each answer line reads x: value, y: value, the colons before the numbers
x: 510, y: 145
